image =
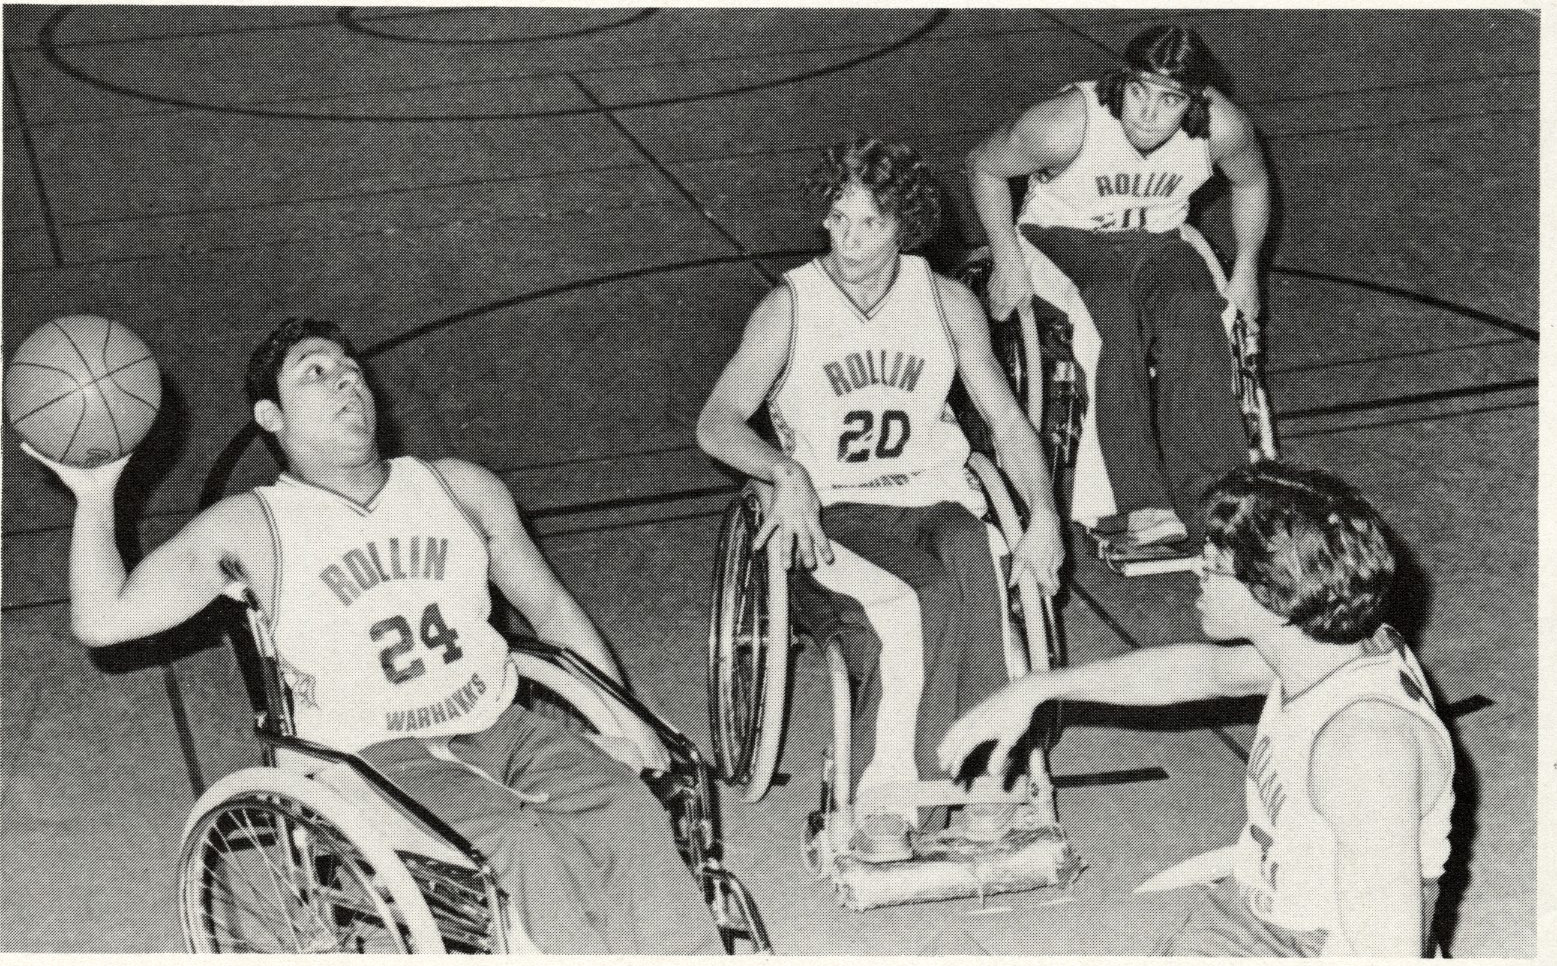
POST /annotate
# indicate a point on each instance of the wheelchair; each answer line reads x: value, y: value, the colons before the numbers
x: 752, y: 638
x: 1046, y: 360
x: 316, y: 851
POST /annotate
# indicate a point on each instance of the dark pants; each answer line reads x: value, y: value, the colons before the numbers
x: 1154, y: 303
x: 593, y: 868
x: 942, y: 552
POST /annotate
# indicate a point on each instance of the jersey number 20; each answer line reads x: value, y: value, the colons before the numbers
x: 854, y: 444
x: 436, y: 636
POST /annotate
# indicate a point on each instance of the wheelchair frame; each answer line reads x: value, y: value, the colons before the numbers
x: 423, y: 887
x: 750, y: 642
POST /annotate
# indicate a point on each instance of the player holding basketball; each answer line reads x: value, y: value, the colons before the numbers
x: 374, y: 576
x: 1349, y: 784
x: 854, y: 355
x: 1111, y: 166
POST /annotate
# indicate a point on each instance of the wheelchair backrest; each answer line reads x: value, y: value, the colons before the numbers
x: 255, y: 653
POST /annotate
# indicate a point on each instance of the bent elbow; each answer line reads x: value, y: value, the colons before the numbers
x: 973, y: 164
x: 92, y: 633
x: 709, y: 432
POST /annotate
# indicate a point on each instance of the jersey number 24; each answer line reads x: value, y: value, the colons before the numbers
x: 436, y: 636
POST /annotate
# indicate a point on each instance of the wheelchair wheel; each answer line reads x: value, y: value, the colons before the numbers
x: 1016, y: 346
x: 275, y: 863
x: 748, y: 651
x: 1039, y: 624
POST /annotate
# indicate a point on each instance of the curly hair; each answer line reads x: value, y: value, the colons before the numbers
x: 1177, y: 53
x: 902, y: 185
x: 265, y: 362
x: 1307, y: 545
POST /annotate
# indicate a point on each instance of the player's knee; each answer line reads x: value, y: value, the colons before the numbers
x: 936, y: 591
x: 1178, y: 279
x: 954, y: 520
x: 963, y: 544
x: 1182, y: 261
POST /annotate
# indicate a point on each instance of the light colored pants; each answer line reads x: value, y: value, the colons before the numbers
x: 591, y: 869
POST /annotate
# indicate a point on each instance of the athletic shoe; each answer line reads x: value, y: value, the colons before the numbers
x: 882, y: 838
x: 993, y: 821
x: 1153, y: 525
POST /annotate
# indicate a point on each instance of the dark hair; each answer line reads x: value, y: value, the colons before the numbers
x: 265, y: 363
x: 898, y: 179
x: 1177, y: 53
x: 1307, y: 545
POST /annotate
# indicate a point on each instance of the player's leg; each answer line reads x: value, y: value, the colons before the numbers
x: 880, y: 631
x: 547, y: 898
x: 1221, y: 924
x: 1121, y: 385
x: 881, y: 572
x: 834, y: 616
x: 970, y: 664
x: 608, y: 824
x: 579, y: 843
x: 964, y: 664
x: 1198, y: 420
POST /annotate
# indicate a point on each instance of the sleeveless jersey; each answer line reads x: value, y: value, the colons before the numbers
x: 1110, y: 186
x: 380, y: 611
x: 1285, y: 858
x: 862, y: 402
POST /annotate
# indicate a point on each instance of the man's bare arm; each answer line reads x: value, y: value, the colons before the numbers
x: 1365, y: 781
x: 1153, y: 677
x: 1021, y: 452
x: 519, y: 570
x: 722, y: 428
x: 723, y: 432
x: 1048, y: 136
x: 1236, y: 150
x: 172, y: 584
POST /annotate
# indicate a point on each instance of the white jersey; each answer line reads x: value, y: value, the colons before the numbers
x: 1285, y: 860
x: 862, y: 402
x: 1111, y: 186
x: 380, y: 611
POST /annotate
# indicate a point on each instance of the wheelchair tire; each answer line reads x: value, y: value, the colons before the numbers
x: 1038, y: 617
x: 748, y: 651
x: 274, y: 862
x: 1016, y: 346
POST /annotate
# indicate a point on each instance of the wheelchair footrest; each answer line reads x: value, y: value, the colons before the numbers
x: 947, y: 865
x: 1140, y: 560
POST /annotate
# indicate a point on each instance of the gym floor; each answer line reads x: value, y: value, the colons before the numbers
x: 547, y: 227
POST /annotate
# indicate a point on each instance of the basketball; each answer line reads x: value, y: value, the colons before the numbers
x: 83, y: 390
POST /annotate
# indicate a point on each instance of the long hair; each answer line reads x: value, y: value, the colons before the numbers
x: 1307, y: 545
x: 899, y: 180
x: 1177, y: 53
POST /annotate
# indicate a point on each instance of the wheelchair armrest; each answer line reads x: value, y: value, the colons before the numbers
x: 352, y: 776
x: 763, y: 491
x: 609, y: 707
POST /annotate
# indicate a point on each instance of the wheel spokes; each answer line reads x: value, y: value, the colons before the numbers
x: 274, y: 877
